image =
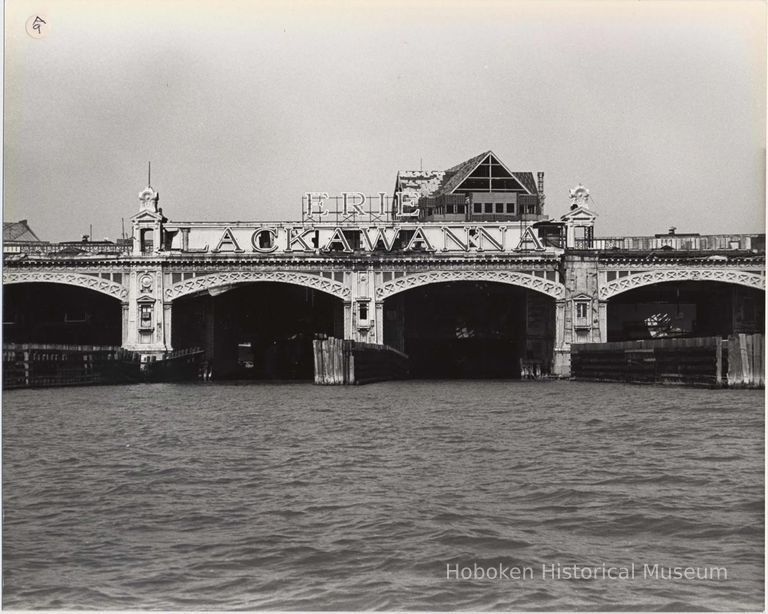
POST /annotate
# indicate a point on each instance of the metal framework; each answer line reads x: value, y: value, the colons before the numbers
x: 216, y: 280
x: 91, y: 282
x: 638, y: 280
x: 553, y: 289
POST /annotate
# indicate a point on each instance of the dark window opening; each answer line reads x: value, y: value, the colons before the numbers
x: 474, y: 185
x: 499, y: 171
x: 145, y: 236
x: 506, y: 185
x: 145, y: 316
x: 484, y: 170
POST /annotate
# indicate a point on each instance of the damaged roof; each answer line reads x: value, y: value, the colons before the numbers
x: 420, y: 183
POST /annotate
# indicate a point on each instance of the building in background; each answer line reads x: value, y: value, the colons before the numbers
x: 19, y: 237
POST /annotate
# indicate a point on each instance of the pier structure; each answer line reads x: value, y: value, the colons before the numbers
x: 459, y: 269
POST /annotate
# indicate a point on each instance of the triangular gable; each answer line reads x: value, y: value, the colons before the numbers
x: 145, y: 298
x: 580, y: 214
x: 467, y: 170
x: 581, y: 296
x: 143, y: 216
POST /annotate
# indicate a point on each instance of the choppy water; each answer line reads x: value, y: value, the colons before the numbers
x: 304, y: 497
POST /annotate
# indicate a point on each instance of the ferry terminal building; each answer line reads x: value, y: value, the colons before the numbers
x: 460, y: 269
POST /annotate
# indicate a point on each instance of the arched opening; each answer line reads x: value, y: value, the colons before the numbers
x: 685, y: 309
x: 38, y: 312
x: 261, y: 330
x: 468, y: 329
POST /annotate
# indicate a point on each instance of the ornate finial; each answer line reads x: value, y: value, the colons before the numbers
x: 579, y: 197
x: 148, y: 197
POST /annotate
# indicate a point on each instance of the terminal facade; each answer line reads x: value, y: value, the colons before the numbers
x: 460, y: 269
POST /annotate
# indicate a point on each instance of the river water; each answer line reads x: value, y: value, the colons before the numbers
x: 248, y: 496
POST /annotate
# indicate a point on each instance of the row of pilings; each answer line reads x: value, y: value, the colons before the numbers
x: 28, y: 365
x: 40, y: 365
x: 735, y: 362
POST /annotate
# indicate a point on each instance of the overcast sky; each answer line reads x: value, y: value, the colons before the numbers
x: 657, y: 107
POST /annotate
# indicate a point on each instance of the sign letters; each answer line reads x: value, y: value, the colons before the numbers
x: 355, y: 223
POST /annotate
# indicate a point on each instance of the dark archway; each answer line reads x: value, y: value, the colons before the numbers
x: 471, y: 329
x: 685, y: 309
x: 261, y: 330
x: 54, y: 313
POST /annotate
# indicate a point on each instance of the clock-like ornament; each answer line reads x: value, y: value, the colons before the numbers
x: 148, y: 198
x: 579, y: 196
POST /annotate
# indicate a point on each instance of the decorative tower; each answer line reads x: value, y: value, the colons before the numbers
x: 147, y: 318
x: 147, y: 223
x: 580, y: 316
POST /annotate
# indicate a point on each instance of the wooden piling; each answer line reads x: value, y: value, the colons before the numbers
x: 318, y: 360
x: 734, y: 361
x: 719, y: 363
x: 27, y: 361
x: 340, y: 361
x: 744, y: 351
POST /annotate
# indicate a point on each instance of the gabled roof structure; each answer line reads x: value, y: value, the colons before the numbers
x: 481, y: 173
x: 18, y: 231
x: 457, y: 174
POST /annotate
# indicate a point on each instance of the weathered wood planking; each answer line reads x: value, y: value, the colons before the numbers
x: 700, y: 361
x: 339, y: 361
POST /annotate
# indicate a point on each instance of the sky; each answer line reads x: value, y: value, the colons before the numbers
x: 658, y: 108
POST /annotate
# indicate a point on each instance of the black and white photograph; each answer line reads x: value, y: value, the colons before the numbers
x: 391, y: 305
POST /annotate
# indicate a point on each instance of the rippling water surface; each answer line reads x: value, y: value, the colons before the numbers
x: 304, y: 497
